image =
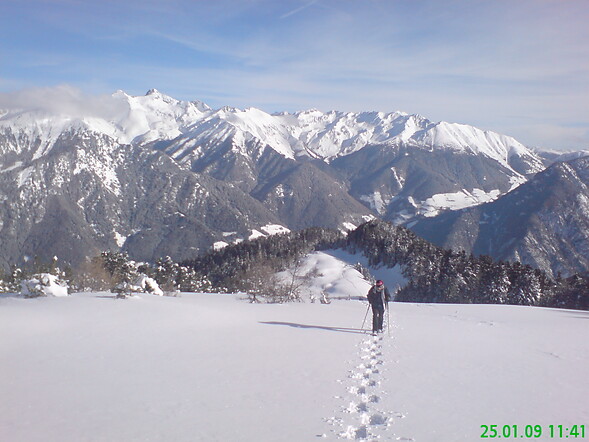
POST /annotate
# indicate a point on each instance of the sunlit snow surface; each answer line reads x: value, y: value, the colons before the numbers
x: 216, y: 368
x: 437, y: 203
x: 454, y: 201
x: 334, y: 273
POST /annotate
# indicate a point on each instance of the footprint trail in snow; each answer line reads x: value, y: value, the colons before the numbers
x: 361, y: 416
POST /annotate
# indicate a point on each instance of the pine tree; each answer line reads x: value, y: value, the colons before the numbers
x: 119, y: 267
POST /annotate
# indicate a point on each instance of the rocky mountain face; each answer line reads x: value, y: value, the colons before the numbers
x: 91, y: 193
x: 543, y: 223
x: 157, y: 176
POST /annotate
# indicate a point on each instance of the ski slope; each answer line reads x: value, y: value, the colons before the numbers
x: 203, y: 367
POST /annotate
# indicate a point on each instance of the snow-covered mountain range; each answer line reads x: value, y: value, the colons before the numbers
x: 156, y: 176
x: 155, y: 116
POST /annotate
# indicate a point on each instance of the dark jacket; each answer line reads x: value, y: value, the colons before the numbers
x: 377, y: 298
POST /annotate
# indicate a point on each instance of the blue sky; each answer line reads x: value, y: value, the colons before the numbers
x: 515, y: 67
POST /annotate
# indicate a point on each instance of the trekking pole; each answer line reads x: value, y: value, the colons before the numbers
x: 365, y: 316
x: 388, y: 320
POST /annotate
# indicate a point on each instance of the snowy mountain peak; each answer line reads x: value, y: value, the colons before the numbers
x: 325, y: 135
x: 312, y: 111
x: 119, y: 93
x: 471, y: 140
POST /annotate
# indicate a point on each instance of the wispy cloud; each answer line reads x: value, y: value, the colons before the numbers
x: 63, y: 100
x: 299, y: 9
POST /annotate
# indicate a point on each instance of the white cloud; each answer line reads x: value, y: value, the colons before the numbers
x: 63, y: 100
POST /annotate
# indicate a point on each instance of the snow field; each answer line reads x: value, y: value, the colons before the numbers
x: 203, y: 367
x: 454, y: 368
x: 198, y: 367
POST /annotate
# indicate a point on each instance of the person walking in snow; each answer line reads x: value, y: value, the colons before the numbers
x: 377, y: 296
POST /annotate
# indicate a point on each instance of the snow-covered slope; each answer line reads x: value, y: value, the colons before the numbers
x: 470, y: 139
x: 334, y: 134
x: 154, y: 116
x: 213, y: 367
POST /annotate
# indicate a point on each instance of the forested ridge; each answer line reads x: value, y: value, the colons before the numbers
x: 434, y: 274
x: 441, y: 275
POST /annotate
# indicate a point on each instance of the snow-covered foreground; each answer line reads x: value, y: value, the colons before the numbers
x: 216, y: 368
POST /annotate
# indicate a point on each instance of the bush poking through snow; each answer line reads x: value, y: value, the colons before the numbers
x: 10, y: 282
x: 43, y: 284
x: 262, y: 284
x: 142, y: 284
x: 92, y: 275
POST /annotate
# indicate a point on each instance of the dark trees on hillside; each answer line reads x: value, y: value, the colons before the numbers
x: 248, y: 266
x: 438, y: 275
x: 433, y: 274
